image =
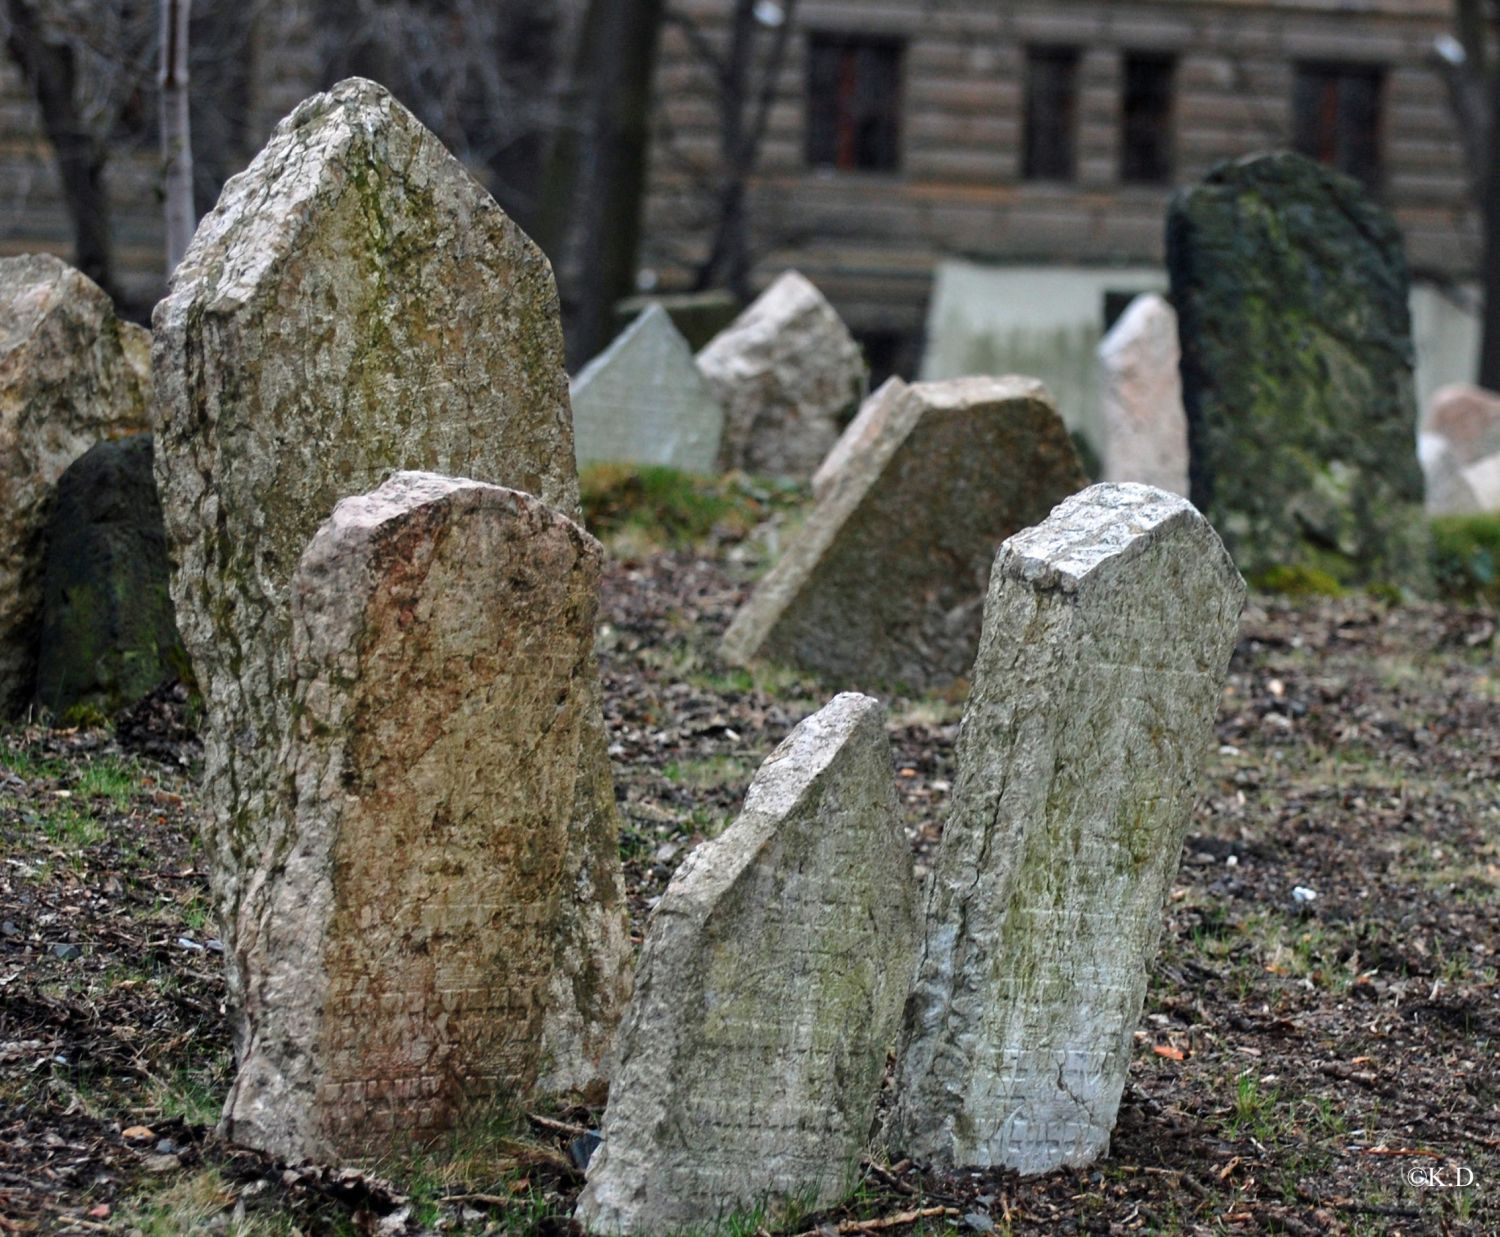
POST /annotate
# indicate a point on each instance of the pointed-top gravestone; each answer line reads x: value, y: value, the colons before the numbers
x: 397, y: 938
x: 71, y: 374
x: 1142, y: 428
x: 884, y: 585
x: 356, y: 303
x: 643, y: 401
x: 1291, y: 289
x: 767, y: 996
x: 1107, y: 634
x: 788, y: 372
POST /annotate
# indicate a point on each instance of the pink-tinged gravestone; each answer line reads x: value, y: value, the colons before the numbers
x: 1142, y: 425
x: 1107, y: 634
x: 398, y: 931
x: 1459, y: 448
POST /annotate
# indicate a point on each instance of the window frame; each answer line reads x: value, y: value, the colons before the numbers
x: 836, y: 122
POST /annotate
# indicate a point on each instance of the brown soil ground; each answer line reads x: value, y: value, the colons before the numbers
x: 1315, y: 1066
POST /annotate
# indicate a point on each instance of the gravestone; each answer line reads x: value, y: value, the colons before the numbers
x: 1459, y: 449
x: 108, y: 635
x: 1107, y: 635
x: 767, y: 994
x: 71, y: 374
x: 884, y: 585
x: 868, y: 425
x: 698, y: 316
x: 356, y: 303
x: 397, y: 933
x: 787, y: 372
x: 1291, y: 291
x: 1142, y: 427
x: 643, y: 401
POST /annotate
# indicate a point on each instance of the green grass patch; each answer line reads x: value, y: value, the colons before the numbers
x: 1466, y: 557
x: 115, y: 780
x: 664, y: 507
x: 1297, y: 580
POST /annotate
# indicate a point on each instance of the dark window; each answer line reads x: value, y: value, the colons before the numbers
x: 1146, y: 120
x: 853, y: 102
x: 1337, y: 118
x: 1051, y: 113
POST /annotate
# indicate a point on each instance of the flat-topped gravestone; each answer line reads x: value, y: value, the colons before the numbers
x: 767, y: 995
x: 71, y: 374
x: 788, y: 373
x: 1142, y: 428
x: 108, y: 633
x: 868, y: 425
x: 397, y: 933
x: 357, y: 303
x: 885, y: 584
x: 1107, y: 634
x: 643, y: 401
x: 1291, y: 292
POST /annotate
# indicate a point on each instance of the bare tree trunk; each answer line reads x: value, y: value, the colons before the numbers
x: 176, y: 134
x: 50, y: 68
x: 1489, y: 214
x: 590, y: 219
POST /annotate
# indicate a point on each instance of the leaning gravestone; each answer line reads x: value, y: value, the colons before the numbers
x: 71, y: 374
x: 1107, y: 634
x: 885, y: 583
x: 767, y: 995
x: 1142, y: 428
x: 441, y: 675
x: 108, y: 635
x: 1291, y: 292
x: 643, y: 401
x: 869, y: 424
x: 788, y: 372
x: 357, y: 303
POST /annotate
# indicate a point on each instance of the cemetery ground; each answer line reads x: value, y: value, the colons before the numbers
x: 1318, y: 1048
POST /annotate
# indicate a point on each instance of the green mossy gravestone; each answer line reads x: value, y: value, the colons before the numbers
x: 108, y: 633
x: 1291, y: 292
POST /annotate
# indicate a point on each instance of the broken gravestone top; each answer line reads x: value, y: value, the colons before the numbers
x: 71, y: 374
x: 1142, y: 428
x: 885, y: 583
x: 1291, y: 287
x: 1107, y: 634
x: 355, y: 303
x: 400, y: 930
x: 787, y: 371
x: 767, y: 994
x: 643, y: 401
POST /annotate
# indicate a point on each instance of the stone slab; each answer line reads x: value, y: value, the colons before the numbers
x: 643, y: 401
x: 869, y: 424
x: 884, y: 585
x: 1142, y: 428
x: 1107, y: 634
x: 767, y: 995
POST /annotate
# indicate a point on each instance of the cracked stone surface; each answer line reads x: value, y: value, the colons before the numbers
x: 356, y: 304
x: 787, y: 371
x: 1142, y: 428
x: 885, y: 583
x: 768, y: 994
x: 1291, y: 287
x: 643, y: 401
x: 71, y: 375
x: 1107, y: 634
x: 396, y: 934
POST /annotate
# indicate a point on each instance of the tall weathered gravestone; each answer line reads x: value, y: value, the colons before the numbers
x: 643, y: 401
x: 395, y: 940
x: 108, y: 634
x: 1142, y: 428
x: 767, y: 995
x: 355, y: 304
x: 71, y: 374
x: 787, y: 371
x: 885, y: 583
x: 1107, y: 634
x: 1291, y: 292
